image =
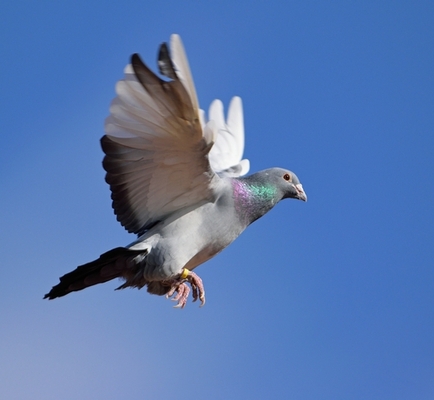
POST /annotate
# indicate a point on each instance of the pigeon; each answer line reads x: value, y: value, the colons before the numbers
x: 177, y: 181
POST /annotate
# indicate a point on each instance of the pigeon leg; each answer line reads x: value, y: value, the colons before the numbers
x: 182, y: 290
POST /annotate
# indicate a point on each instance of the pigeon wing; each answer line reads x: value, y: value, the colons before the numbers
x: 156, y: 151
x: 227, y: 153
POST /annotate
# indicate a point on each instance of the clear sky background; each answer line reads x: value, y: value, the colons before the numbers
x: 329, y: 299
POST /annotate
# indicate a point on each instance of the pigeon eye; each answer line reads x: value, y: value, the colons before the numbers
x: 287, y: 177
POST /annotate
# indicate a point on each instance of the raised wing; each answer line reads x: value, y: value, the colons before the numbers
x: 226, y: 155
x: 155, y: 148
x: 180, y: 63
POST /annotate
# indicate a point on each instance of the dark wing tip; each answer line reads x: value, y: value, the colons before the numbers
x: 137, y: 62
x: 135, y: 57
x: 165, y: 64
x: 52, y: 293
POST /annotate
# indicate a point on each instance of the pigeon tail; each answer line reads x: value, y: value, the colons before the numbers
x: 108, y: 266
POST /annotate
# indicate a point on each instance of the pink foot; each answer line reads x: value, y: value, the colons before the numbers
x: 182, y: 290
x: 197, y: 287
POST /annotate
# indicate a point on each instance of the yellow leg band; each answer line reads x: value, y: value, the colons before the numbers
x: 185, y: 273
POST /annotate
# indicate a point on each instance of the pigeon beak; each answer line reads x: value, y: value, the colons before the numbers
x: 300, y: 192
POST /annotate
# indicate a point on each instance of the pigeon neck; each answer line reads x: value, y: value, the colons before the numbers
x: 252, y: 199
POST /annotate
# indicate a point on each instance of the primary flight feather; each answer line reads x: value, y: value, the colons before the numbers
x: 176, y: 181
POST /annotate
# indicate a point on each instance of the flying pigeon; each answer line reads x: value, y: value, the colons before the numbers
x: 176, y: 181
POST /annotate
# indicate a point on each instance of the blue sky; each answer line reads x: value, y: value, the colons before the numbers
x: 332, y: 299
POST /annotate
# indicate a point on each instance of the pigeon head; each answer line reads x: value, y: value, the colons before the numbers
x: 286, y: 182
x: 257, y: 194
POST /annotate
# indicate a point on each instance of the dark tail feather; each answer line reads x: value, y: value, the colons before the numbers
x: 108, y: 266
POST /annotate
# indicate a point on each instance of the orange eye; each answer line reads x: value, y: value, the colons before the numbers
x: 287, y: 177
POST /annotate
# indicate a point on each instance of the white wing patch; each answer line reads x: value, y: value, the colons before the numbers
x: 226, y: 154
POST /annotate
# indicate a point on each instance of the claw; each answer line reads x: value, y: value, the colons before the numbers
x: 179, y: 292
x: 171, y: 292
x: 182, y: 291
x: 197, y: 286
x: 194, y: 292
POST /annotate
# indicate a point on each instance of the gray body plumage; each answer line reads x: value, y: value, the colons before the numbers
x: 175, y: 180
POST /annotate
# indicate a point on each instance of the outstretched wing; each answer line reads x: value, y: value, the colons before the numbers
x: 155, y: 147
x: 226, y: 155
